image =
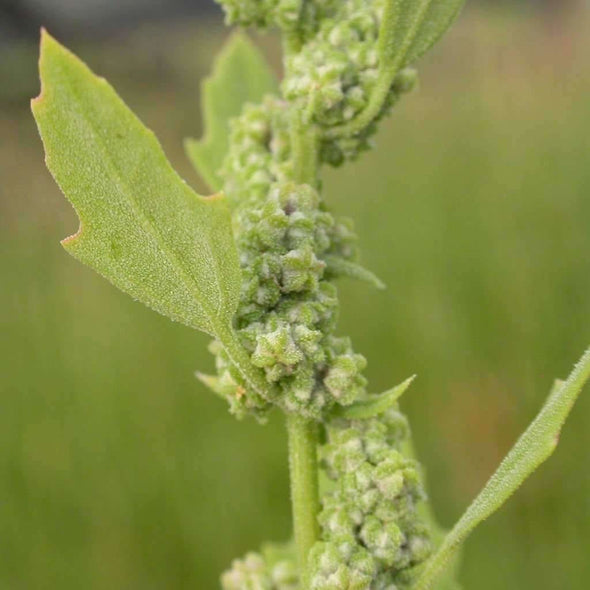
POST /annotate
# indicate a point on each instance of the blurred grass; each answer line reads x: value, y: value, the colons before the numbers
x: 118, y: 470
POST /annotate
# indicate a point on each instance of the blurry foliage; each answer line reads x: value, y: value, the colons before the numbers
x: 108, y: 443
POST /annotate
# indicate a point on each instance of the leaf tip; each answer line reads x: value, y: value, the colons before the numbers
x: 37, y: 100
x: 48, y: 42
x: 410, y: 380
x: 44, y: 34
x: 204, y: 378
x: 48, y: 45
x: 238, y: 42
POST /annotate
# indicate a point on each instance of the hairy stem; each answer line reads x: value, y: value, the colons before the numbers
x: 303, y: 468
x: 303, y: 433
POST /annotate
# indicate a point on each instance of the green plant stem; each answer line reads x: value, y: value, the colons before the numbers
x: 303, y: 433
x: 303, y: 469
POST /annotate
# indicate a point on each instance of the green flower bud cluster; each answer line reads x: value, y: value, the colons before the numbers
x: 334, y: 74
x: 301, y: 16
x: 287, y: 315
x: 346, y: 148
x: 259, y: 151
x: 372, y: 533
x: 258, y: 572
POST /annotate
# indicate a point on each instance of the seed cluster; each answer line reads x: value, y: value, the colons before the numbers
x: 288, y: 310
x: 335, y: 71
x: 369, y: 521
x: 259, y: 152
x: 334, y: 74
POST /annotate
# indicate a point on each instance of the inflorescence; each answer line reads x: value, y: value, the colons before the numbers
x: 291, y: 248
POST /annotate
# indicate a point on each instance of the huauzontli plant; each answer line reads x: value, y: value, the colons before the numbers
x: 254, y: 266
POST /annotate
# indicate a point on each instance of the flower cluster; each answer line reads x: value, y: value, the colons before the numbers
x: 331, y: 78
x: 372, y: 533
x: 301, y: 16
x: 287, y: 315
x: 336, y: 71
x: 259, y: 151
x: 272, y: 570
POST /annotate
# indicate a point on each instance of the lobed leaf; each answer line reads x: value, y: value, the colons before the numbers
x: 240, y: 75
x: 141, y: 226
x: 414, y: 26
x: 535, y: 446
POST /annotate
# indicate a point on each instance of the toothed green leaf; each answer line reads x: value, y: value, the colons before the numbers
x: 240, y: 75
x: 534, y: 447
x: 141, y: 226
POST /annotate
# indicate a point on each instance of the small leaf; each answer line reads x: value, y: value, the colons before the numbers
x: 240, y: 75
x: 534, y: 446
x: 141, y: 226
x: 213, y: 382
x: 414, y: 26
x: 339, y: 267
x: 373, y: 406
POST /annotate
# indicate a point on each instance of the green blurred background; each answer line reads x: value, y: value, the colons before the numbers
x: 119, y: 471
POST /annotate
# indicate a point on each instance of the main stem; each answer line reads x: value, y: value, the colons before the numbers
x: 303, y: 433
x: 303, y: 468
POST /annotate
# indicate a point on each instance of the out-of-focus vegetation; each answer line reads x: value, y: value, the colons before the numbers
x: 117, y: 468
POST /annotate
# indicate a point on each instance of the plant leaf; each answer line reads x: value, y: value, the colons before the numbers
x: 535, y: 445
x: 240, y: 75
x: 339, y: 267
x: 414, y: 26
x: 141, y: 226
x: 374, y: 405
